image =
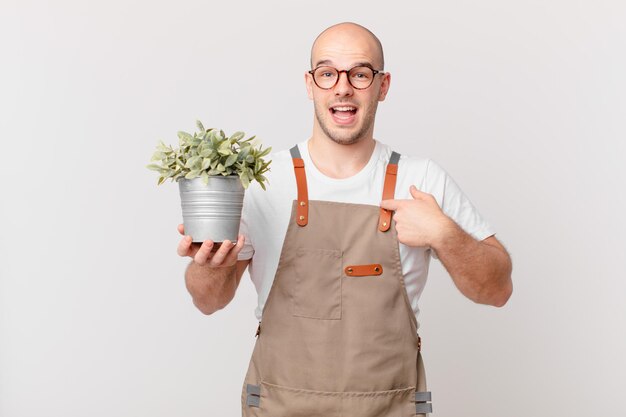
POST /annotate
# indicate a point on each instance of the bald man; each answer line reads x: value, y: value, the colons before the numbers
x: 338, y: 249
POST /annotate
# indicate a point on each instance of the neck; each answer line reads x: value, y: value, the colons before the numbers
x: 340, y: 161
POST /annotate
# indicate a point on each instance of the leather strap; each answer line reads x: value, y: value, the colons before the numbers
x: 302, y: 208
x: 363, y: 270
x: 389, y: 187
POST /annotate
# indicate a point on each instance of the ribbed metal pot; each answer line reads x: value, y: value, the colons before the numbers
x: 212, y: 211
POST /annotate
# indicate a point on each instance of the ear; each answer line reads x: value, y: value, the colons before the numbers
x: 384, y: 86
x: 308, y: 81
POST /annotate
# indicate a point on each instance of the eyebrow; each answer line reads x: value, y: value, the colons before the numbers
x: 356, y: 64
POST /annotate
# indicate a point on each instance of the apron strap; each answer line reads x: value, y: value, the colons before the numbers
x: 302, y: 209
x: 253, y: 397
x: 384, y: 220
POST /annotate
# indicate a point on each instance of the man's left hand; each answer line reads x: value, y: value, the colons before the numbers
x: 420, y: 221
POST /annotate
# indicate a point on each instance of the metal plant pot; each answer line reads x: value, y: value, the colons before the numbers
x: 212, y: 211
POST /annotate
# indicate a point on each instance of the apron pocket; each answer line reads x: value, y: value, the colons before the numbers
x: 279, y: 401
x: 317, y: 287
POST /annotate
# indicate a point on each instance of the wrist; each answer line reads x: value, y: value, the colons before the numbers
x: 446, y: 231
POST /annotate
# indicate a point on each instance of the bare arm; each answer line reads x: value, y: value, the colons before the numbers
x: 481, y: 270
x: 213, y: 275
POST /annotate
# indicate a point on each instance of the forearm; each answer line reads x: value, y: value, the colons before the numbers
x: 211, y: 288
x: 480, y: 271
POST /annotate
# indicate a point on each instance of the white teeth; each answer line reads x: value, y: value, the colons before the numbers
x: 344, y: 108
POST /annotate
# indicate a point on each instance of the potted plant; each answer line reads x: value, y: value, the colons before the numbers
x: 212, y: 171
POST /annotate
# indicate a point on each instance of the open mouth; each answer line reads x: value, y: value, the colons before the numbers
x: 343, y: 114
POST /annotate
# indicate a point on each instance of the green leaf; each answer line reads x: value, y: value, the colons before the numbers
x: 157, y: 156
x: 200, y: 126
x: 235, y: 137
x: 154, y: 167
x: 265, y: 152
x: 206, y: 163
x: 243, y: 153
x: 184, y: 136
x: 192, y: 161
x: 244, y: 180
x: 230, y: 160
x: 251, y: 138
x: 214, y: 140
x: 161, y: 179
x: 162, y: 147
x: 192, y: 174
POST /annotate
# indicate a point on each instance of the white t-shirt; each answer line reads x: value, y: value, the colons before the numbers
x: 266, y: 214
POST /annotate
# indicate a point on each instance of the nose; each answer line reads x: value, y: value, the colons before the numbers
x: 343, y: 86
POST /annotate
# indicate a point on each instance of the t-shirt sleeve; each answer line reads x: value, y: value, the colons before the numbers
x: 248, y: 249
x: 454, y: 203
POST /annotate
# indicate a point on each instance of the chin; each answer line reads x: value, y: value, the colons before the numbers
x: 346, y: 140
x: 346, y: 135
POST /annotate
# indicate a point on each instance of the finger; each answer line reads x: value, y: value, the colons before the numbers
x: 417, y: 194
x: 232, y: 255
x: 181, y: 229
x: 204, y: 253
x: 220, y: 255
x: 184, y: 246
x: 390, y: 204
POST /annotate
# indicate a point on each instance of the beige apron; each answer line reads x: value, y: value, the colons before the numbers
x: 338, y: 336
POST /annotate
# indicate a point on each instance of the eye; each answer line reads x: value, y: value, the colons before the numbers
x: 325, y: 73
x: 361, y: 74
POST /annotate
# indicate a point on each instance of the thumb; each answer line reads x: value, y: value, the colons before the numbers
x: 417, y: 194
x: 390, y: 204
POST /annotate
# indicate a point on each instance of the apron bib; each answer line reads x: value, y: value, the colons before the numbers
x: 338, y: 336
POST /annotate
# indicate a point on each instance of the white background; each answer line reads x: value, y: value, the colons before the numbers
x: 523, y: 103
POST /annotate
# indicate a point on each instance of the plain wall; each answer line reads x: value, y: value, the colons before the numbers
x: 523, y: 103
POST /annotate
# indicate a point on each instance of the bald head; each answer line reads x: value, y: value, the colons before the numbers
x: 345, y: 37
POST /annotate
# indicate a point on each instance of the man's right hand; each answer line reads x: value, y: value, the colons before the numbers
x: 208, y: 253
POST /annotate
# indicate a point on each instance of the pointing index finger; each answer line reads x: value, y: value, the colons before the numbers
x: 390, y: 204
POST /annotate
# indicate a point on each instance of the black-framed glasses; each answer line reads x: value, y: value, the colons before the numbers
x: 359, y: 77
